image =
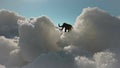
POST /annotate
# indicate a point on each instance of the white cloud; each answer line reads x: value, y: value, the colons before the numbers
x: 52, y: 60
x: 6, y: 46
x: 105, y: 60
x: 15, y: 60
x: 41, y: 45
x: 8, y: 23
x: 36, y: 37
x: 2, y: 66
x: 99, y: 60
x: 94, y: 30
x: 83, y: 62
x: 10, y: 56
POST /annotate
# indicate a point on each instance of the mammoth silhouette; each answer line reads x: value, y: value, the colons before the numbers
x: 66, y: 26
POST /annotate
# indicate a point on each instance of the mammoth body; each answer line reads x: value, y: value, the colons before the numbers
x: 66, y: 26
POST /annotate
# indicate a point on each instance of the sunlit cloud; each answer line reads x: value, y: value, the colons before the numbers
x: 93, y: 42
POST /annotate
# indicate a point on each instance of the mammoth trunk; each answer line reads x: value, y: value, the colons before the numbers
x: 59, y: 25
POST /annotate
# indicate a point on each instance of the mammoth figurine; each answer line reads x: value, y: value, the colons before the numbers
x: 66, y: 26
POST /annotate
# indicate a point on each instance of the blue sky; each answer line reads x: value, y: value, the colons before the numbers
x: 58, y: 11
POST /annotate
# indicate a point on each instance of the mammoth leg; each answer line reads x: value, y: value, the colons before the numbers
x: 68, y: 30
x: 65, y: 29
x: 62, y: 28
